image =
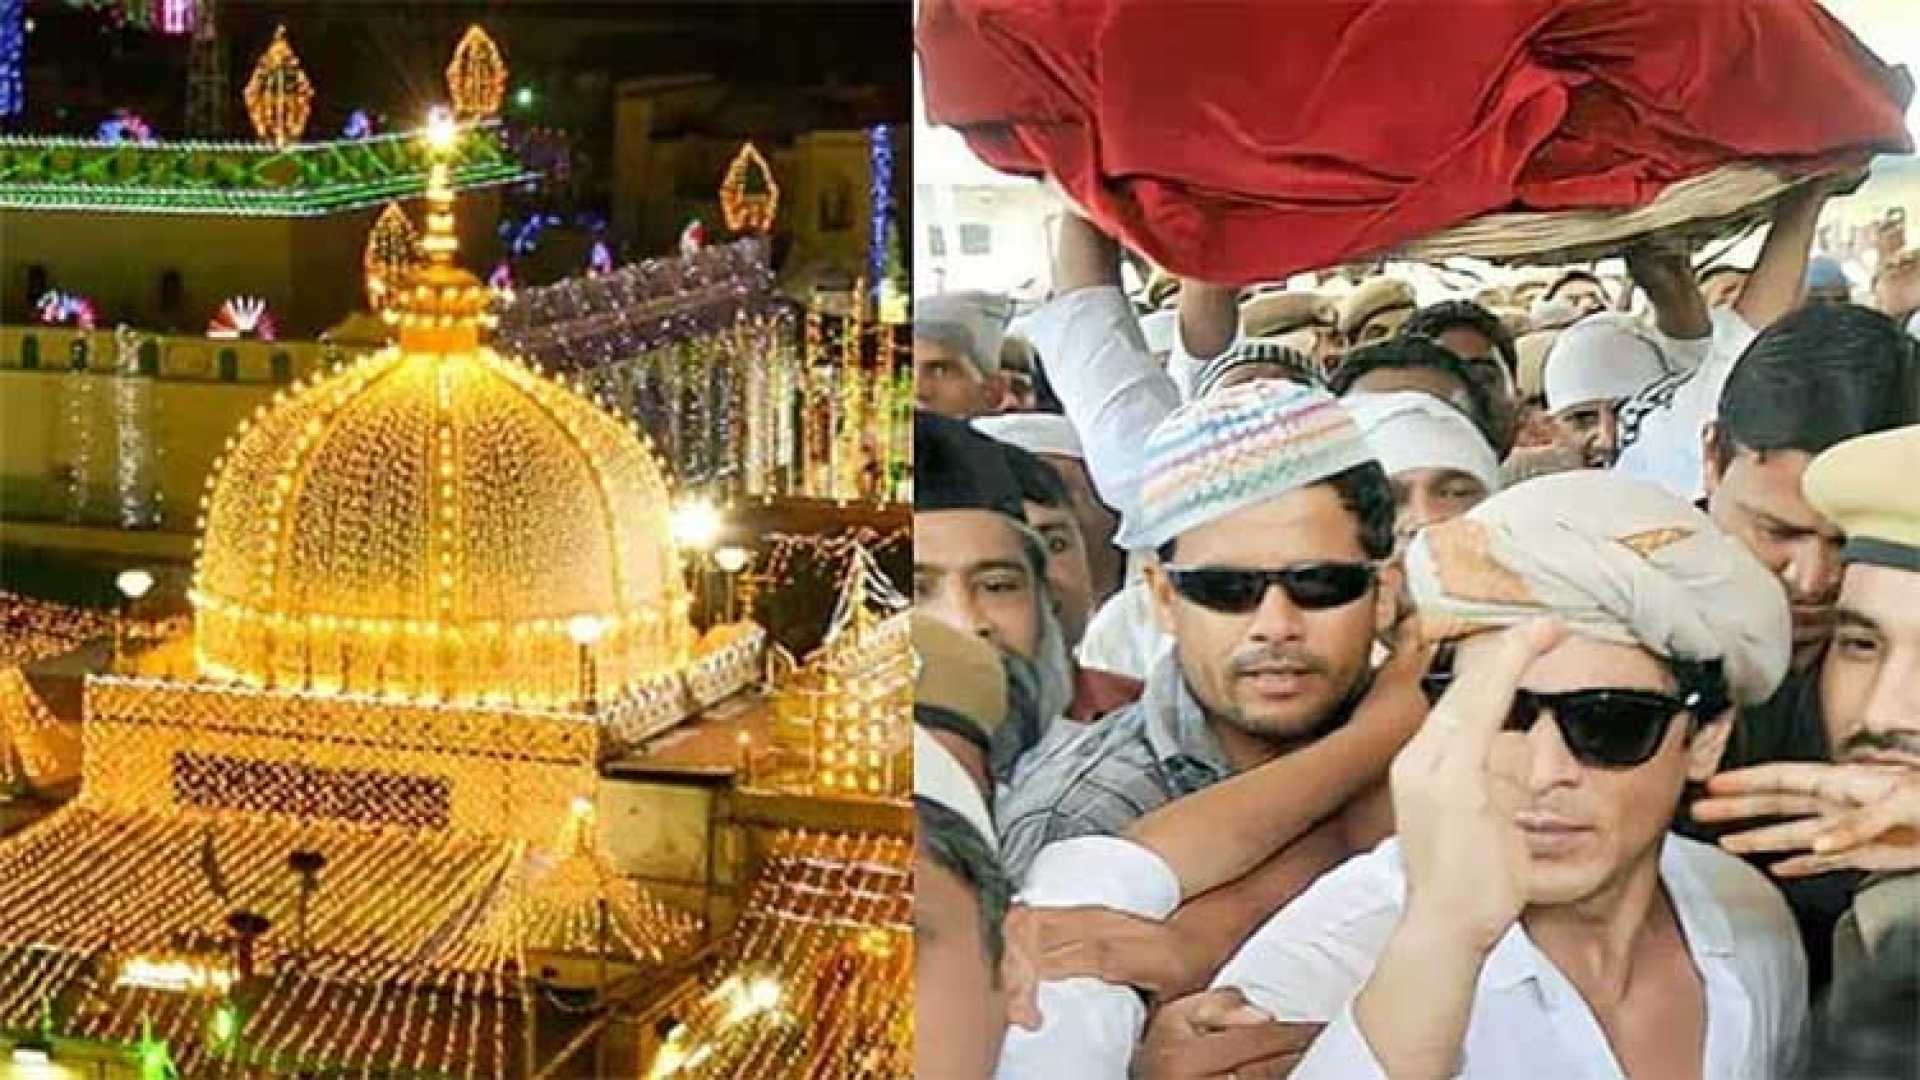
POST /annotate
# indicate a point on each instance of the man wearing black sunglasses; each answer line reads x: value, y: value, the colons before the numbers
x: 1534, y: 917
x: 1270, y: 518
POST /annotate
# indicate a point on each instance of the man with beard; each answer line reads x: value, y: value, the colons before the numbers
x: 1862, y: 811
x: 979, y: 567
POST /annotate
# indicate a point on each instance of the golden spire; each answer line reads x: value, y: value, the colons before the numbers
x: 440, y: 307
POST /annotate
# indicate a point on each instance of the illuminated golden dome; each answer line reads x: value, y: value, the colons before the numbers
x: 427, y: 522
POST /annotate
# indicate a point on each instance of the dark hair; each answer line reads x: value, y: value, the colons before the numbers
x: 1824, y: 374
x: 1413, y: 353
x: 959, y: 849
x: 1436, y: 319
x: 1045, y: 399
x: 1365, y: 492
x: 1572, y: 276
x: 1039, y: 482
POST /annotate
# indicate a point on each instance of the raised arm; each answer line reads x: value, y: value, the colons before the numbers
x: 1779, y: 278
x: 1091, y: 349
x: 1665, y: 273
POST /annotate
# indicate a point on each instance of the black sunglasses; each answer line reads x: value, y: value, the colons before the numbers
x: 1603, y: 727
x: 1309, y: 586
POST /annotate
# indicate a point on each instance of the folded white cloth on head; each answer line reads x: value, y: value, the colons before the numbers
x: 1408, y: 430
x: 1604, y: 357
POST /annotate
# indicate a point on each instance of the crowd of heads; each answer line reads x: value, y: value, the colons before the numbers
x: 1356, y: 465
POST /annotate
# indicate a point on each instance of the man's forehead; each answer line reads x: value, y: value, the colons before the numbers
x: 958, y: 538
x: 1887, y: 597
x: 1772, y: 488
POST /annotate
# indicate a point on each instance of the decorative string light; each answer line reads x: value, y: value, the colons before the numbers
x: 279, y: 95
x: 817, y: 979
x: 133, y: 425
x: 880, y: 216
x: 392, y: 253
x: 57, y: 308
x: 13, y: 54
x: 412, y: 525
x: 301, y: 180
x: 841, y: 722
x: 477, y: 76
x: 749, y: 197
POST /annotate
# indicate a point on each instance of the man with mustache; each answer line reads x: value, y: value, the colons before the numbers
x: 1861, y: 812
x: 1534, y: 917
x: 1269, y: 518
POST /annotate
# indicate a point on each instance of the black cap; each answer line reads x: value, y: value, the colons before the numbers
x: 957, y: 468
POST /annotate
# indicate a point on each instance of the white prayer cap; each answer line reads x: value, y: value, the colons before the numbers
x: 1603, y: 357
x: 971, y: 322
x: 1552, y: 314
x: 1408, y: 429
x: 938, y: 777
x: 1157, y: 328
x: 1034, y: 432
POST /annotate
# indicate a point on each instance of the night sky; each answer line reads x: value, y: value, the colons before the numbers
x: 846, y: 61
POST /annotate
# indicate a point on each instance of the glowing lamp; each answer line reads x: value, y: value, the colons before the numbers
x: 174, y: 976
x: 763, y: 994
x: 586, y: 629
x: 732, y: 558
x: 696, y: 525
x: 133, y: 584
x: 441, y: 130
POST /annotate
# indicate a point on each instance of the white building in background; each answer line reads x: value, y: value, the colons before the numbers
x: 974, y: 228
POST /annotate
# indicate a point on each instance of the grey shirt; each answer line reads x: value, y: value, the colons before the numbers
x: 1098, y: 779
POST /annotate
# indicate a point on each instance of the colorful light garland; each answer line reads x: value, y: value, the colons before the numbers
x: 124, y: 126
x: 240, y: 317
x: 701, y: 353
x: 13, y: 56
x: 58, y: 308
x: 238, y: 179
x: 880, y: 183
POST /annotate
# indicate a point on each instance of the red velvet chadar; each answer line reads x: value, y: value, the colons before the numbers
x: 1243, y: 140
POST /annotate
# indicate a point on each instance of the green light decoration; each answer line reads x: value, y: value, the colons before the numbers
x: 225, y: 1024
x: 156, y: 1063
x: 239, y: 178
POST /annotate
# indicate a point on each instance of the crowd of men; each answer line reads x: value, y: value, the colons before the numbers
x: 1342, y: 687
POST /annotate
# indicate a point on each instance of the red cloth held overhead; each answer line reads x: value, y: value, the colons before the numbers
x: 1244, y: 140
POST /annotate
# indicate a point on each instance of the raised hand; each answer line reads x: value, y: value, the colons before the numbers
x: 1456, y: 788
x: 1844, y: 817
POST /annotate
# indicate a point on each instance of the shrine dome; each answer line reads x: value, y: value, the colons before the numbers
x: 432, y: 522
